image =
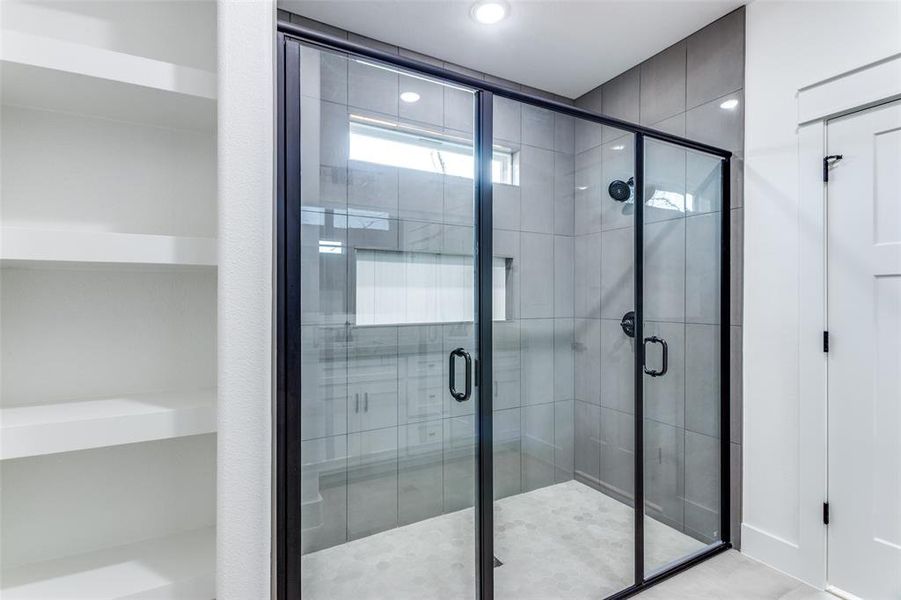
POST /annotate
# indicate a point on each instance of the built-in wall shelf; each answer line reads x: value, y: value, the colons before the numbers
x: 38, y: 429
x: 25, y: 246
x: 170, y: 568
x: 53, y: 74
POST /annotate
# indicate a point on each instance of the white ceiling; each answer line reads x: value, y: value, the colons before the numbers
x: 565, y: 46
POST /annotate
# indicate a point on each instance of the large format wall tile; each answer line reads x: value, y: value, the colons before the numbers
x: 564, y: 193
x: 371, y: 482
x: 538, y: 454
x: 459, y: 199
x: 459, y: 463
x: 587, y: 291
x: 420, y: 471
x: 716, y: 59
x: 420, y: 195
x: 421, y: 382
x: 617, y: 363
x: 536, y: 181
x: 323, y: 281
x: 537, y: 351
x: 702, y: 268
x: 718, y: 123
x: 617, y: 445
x: 506, y: 206
x: 507, y: 365
x: 538, y: 127
x: 430, y: 106
x: 664, y: 271
x: 664, y: 181
x: 323, y: 359
x: 323, y: 75
x: 621, y: 99
x: 703, y: 183
x: 564, y: 272
x: 618, y: 164
x: 324, y: 493
x: 564, y: 356
x: 372, y: 88
x: 507, y: 120
x: 537, y: 283
x: 617, y: 273
x: 663, y: 84
x: 587, y: 135
x: 372, y: 387
x: 564, y: 438
x: 588, y: 193
x: 564, y: 133
x: 588, y: 360
x: 664, y: 468
x: 702, y: 485
x: 507, y: 450
x: 372, y: 188
x: 587, y: 449
x: 702, y: 379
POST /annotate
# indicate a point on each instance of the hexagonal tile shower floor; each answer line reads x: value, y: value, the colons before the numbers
x: 563, y: 541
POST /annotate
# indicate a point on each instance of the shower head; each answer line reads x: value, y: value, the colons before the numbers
x: 621, y: 190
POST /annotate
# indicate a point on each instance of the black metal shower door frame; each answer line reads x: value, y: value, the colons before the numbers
x: 287, y: 468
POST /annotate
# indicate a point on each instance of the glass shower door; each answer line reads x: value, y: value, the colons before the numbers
x: 682, y: 335
x: 563, y: 366
x: 387, y: 335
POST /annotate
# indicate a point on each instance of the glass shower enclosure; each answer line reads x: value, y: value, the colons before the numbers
x: 502, y: 338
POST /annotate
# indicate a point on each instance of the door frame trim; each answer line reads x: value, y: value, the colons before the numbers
x: 288, y: 372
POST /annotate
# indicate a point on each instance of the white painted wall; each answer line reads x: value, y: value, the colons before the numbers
x: 246, y: 184
x: 789, y: 45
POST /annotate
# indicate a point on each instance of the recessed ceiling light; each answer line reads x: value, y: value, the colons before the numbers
x: 489, y: 12
x: 582, y: 188
x: 617, y: 147
x: 409, y: 97
x: 729, y: 104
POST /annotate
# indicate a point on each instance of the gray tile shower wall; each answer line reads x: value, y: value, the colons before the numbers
x: 693, y: 88
x: 383, y: 443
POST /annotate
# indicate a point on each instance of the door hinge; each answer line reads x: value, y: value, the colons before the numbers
x: 825, y: 341
x: 827, y: 162
x: 825, y: 513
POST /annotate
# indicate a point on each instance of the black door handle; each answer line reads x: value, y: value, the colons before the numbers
x: 452, y: 375
x: 656, y: 340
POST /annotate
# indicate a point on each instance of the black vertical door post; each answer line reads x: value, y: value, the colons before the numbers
x: 725, y: 353
x: 288, y: 367
x: 484, y: 449
x: 639, y: 358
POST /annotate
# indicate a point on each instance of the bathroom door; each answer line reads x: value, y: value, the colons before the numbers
x: 864, y: 359
x: 682, y: 381
x: 379, y: 329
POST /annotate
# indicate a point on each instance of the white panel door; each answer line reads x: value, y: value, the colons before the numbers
x: 864, y: 390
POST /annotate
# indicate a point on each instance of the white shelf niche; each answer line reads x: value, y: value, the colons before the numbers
x: 21, y: 246
x: 38, y: 429
x: 51, y: 74
x: 170, y: 568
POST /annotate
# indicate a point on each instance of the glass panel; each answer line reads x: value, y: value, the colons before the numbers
x: 388, y: 456
x: 681, y: 293
x: 563, y: 367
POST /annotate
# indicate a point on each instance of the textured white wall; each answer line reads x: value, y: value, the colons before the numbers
x: 246, y: 188
x: 789, y: 45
